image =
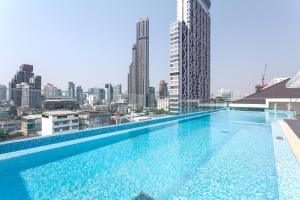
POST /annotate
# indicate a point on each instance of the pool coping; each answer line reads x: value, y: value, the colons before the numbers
x: 292, y: 138
x: 108, y: 135
x: 287, y: 166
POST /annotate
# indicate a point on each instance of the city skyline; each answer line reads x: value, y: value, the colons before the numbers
x: 234, y: 48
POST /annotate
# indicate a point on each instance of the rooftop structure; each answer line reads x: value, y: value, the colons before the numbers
x: 274, y: 82
x: 294, y: 82
x: 277, y: 97
x: 59, y: 112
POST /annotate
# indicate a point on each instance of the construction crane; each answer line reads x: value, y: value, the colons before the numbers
x: 262, y: 85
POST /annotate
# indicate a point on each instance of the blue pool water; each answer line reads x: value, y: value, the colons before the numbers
x: 225, y: 155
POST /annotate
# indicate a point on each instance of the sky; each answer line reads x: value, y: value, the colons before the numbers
x: 89, y: 41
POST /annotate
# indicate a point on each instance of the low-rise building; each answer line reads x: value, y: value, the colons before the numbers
x: 163, y: 104
x: 61, y: 104
x: 10, y: 125
x: 103, y: 108
x: 89, y: 119
x: 59, y: 122
x: 4, y: 113
x: 120, y: 106
x: 284, y: 96
x: 31, y: 124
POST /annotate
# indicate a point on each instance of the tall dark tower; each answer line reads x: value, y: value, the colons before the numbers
x: 138, y: 77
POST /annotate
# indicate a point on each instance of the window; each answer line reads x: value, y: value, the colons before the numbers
x: 66, y: 128
x: 62, y: 117
x: 74, y: 127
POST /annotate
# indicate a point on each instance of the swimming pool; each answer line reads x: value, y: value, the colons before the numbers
x: 222, y: 155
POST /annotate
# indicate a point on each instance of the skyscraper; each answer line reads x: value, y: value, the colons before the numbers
x: 71, y: 90
x: 163, y: 89
x: 98, y: 93
x: 151, y: 98
x: 117, y: 92
x: 138, y: 77
x: 50, y: 91
x: 79, y: 93
x: 3, y: 93
x: 190, y: 55
x: 25, y: 88
x: 109, y: 93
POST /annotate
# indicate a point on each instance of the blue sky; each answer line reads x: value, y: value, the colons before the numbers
x: 89, y: 41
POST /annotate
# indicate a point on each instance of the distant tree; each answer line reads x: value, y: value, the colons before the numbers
x: 3, y: 134
x: 138, y: 110
x: 13, y: 110
x: 18, y: 117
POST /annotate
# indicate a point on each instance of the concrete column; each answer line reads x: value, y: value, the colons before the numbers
x: 289, y: 106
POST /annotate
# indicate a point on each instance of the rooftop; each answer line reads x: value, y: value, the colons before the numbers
x: 29, y: 117
x: 277, y: 91
x: 9, y: 122
x: 59, y: 112
x: 294, y: 82
x: 61, y: 100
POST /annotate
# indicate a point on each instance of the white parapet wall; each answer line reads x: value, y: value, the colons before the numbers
x: 274, y: 104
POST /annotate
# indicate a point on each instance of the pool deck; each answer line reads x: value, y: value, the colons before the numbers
x: 287, y: 166
x: 291, y: 129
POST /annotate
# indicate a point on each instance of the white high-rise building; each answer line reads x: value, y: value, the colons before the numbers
x: 117, y: 92
x: 190, y: 55
x: 228, y: 94
x: 225, y: 94
x: 50, y: 91
x: 236, y: 95
x: 163, y: 104
x: 92, y: 100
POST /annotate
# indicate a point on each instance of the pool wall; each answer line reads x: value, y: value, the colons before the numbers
x: 11, y: 146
